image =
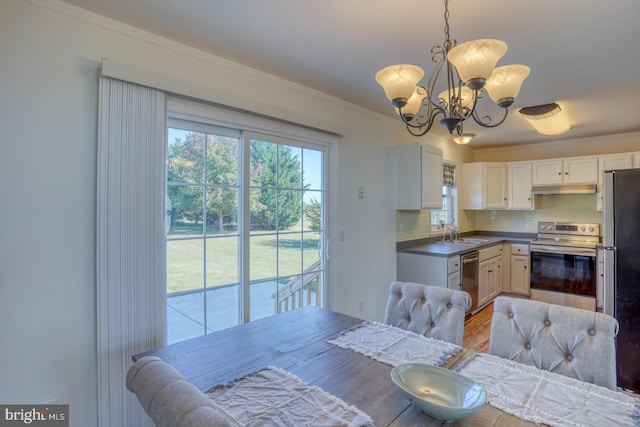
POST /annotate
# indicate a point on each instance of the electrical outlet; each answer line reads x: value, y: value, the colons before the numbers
x: 401, y: 228
x: 361, y: 192
x: 361, y: 306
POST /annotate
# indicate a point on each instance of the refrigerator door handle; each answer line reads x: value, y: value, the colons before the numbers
x: 609, y: 280
x: 608, y: 214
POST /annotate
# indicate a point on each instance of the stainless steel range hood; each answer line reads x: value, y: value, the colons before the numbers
x: 564, y: 189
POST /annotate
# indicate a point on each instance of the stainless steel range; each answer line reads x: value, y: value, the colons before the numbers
x: 563, y: 264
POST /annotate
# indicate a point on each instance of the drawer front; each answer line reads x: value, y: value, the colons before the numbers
x: 454, y: 264
x: 491, y: 252
x: 519, y: 249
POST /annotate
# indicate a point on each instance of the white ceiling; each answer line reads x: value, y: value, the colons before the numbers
x: 584, y: 54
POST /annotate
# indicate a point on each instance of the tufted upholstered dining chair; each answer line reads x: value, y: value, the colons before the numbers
x: 569, y: 341
x: 431, y: 311
x: 169, y: 399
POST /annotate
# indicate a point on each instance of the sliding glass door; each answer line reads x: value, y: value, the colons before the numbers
x: 245, y: 226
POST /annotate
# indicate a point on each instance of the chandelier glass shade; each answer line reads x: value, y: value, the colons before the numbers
x: 470, y: 70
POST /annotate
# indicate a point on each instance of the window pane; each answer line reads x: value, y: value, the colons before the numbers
x: 263, y: 299
x: 263, y: 204
x: 185, y: 316
x: 264, y: 156
x: 222, y: 211
x: 312, y: 169
x: 185, y: 204
x: 222, y: 261
x: 289, y: 167
x: 312, y: 218
x: 185, y: 155
x: 185, y: 264
x: 262, y: 254
x: 222, y: 160
x: 289, y: 254
x: 223, y: 307
x: 312, y: 249
x: 289, y: 210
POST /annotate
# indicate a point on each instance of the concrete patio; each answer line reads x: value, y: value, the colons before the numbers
x: 186, y: 311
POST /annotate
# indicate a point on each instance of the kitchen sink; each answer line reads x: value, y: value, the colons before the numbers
x: 469, y: 241
x: 475, y: 241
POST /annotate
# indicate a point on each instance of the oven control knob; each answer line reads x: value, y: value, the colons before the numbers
x: 583, y: 229
x: 591, y: 230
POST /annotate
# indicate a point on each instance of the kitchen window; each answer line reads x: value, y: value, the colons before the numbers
x: 444, y: 219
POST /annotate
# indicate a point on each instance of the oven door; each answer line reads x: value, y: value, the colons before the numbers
x: 562, y: 269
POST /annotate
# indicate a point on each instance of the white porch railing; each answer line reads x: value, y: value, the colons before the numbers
x: 299, y: 292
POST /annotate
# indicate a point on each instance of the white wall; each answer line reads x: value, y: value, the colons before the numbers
x: 51, y: 54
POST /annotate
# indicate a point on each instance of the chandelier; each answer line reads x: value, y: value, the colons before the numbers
x: 470, y: 70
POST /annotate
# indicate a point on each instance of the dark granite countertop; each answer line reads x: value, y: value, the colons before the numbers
x: 436, y: 247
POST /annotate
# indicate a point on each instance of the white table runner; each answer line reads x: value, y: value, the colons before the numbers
x: 540, y: 396
x: 394, y: 346
x: 274, y: 397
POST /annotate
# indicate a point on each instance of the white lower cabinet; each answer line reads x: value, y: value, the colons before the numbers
x: 429, y: 269
x: 490, y: 274
x: 519, y: 269
x: 454, y: 281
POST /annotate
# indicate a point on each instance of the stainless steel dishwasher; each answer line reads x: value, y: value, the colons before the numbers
x: 470, y: 277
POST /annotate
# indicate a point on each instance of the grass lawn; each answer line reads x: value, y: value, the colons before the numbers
x: 186, y: 265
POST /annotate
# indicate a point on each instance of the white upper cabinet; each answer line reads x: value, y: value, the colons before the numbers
x: 484, y: 186
x: 419, y: 177
x: 611, y: 162
x: 577, y: 170
x: 547, y: 172
x: 519, y: 185
x: 614, y: 161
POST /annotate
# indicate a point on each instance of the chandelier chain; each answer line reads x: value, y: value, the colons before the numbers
x: 446, y: 20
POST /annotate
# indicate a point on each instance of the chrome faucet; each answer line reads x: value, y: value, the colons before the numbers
x: 453, y: 233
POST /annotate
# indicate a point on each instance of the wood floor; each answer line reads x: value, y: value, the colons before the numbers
x: 477, y: 329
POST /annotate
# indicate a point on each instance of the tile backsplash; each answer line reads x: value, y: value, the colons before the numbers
x: 561, y: 208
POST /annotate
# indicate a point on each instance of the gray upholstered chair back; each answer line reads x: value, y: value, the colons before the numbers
x: 169, y: 399
x: 569, y: 341
x: 431, y: 311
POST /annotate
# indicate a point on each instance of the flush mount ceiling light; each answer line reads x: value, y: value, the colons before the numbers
x: 470, y: 71
x: 465, y: 138
x: 547, y: 119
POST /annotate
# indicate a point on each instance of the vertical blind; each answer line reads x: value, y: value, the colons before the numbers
x: 130, y: 251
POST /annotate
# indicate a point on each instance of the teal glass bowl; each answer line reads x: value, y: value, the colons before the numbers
x: 438, y: 392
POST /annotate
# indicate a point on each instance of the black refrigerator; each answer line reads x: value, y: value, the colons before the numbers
x: 621, y: 243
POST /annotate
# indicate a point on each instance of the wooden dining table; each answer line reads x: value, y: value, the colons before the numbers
x: 296, y: 341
